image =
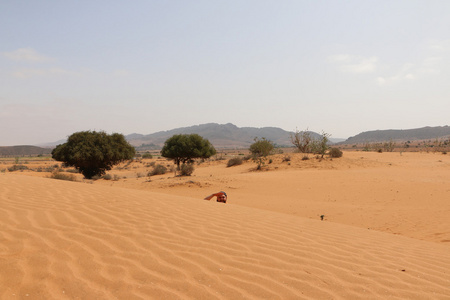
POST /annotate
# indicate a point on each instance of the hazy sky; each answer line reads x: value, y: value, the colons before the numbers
x: 145, y: 66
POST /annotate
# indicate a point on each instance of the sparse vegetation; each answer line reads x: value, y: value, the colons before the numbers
x: 235, y: 161
x: 17, y: 168
x: 389, y: 146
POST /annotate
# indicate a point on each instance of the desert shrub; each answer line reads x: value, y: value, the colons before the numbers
x: 270, y: 161
x: 72, y: 171
x: 186, y: 169
x: 158, y: 170
x: 151, y: 164
x: 235, y: 161
x: 305, y: 157
x: 286, y: 158
x: 147, y: 155
x: 96, y: 177
x: 247, y: 157
x: 260, y: 149
x: 49, y: 168
x: 335, y: 152
x: 17, y: 168
x: 219, y: 157
x: 63, y: 176
x: 444, y: 152
x: 107, y: 177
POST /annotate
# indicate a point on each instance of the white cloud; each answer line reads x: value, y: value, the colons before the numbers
x: 29, y: 72
x: 354, y: 64
x: 439, y: 46
x: 26, y: 55
x: 121, y: 73
x: 406, y: 72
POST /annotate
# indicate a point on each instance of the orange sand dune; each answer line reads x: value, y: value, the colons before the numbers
x: 75, y: 240
x: 406, y: 194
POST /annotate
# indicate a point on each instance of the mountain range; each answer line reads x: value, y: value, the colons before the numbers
x: 220, y: 135
x: 231, y: 136
x: 424, y: 133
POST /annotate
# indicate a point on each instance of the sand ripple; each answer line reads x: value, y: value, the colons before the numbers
x: 78, y: 241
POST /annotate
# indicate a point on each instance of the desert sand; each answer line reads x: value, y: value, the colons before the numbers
x: 385, y: 233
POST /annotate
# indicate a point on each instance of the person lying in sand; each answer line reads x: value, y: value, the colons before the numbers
x: 221, y: 197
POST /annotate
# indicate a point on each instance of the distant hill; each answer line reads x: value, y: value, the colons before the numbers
x: 424, y: 133
x: 24, y: 151
x: 220, y: 135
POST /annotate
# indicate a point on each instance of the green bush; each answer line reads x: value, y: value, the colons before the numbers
x: 235, y: 161
x: 158, y: 170
x: 186, y: 169
x: 335, y: 152
x: 183, y: 148
x: 260, y: 149
x: 93, y: 153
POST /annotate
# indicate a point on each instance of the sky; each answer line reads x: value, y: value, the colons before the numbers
x: 342, y: 67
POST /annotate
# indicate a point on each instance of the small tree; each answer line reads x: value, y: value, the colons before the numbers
x: 260, y: 149
x: 320, y: 145
x: 92, y: 153
x: 183, y: 148
x: 302, y: 140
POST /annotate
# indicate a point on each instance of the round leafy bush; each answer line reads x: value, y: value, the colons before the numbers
x: 93, y: 153
x: 335, y: 152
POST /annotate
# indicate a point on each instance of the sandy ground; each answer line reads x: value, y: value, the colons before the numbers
x: 385, y: 233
